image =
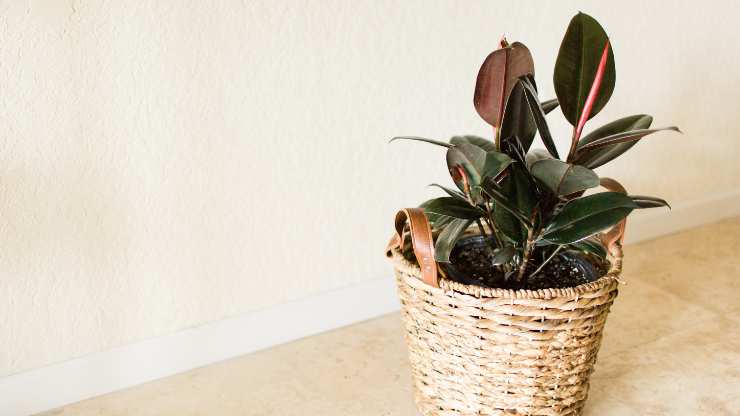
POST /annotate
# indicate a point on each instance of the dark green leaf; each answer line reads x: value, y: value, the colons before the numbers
x: 446, y: 208
x: 504, y: 220
x: 451, y: 192
x: 496, y: 163
x: 635, y: 122
x: 562, y: 178
x: 550, y: 105
x: 518, y: 120
x: 493, y: 190
x: 512, y: 146
x: 448, y: 238
x: 436, y: 221
x: 576, y: 65
x: 471, y: 158
x: 643, y: 201
x: 421, y: 139
x: 507, y: 224
x: 624, y: 137
x: 599, y: 157
x: 523, y: 189
x: 503, y: 255
x: 484, y: 144
x: 519, y: 188
x: 536, y: 155
x: 496, y: 80
x: 590, y: 245
x: 539, y: 116
x: 586, y: 216
x: 477, y: 163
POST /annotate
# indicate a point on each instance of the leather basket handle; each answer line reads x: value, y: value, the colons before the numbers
x: 614, y: 238
x: 421, y: 241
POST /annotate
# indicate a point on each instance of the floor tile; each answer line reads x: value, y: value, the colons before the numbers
x: 700, y: 265
x: 358, y: 370
x: 693, y: 372
x: 643, y: 313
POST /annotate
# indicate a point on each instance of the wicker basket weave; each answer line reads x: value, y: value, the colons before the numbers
x: 482, y: 351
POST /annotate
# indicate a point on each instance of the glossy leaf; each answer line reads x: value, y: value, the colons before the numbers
x: 593, y: 94
x: 536, y: 155
x: 436, y: 221
x: 634, y: 122
x: 493, y: 190
x: 592, y: 246
x: 643, y: 201
x: 509, y: 226
x: 503, y: 255
x: 539, y: 116
x: 518, y: 119
x: 476, y: 162
x: 521, y: 190
x: 496, y: 80
x: 484, y: 144
x: 448, y: 238
x: 512, y: 146
x: 524, y: 189
x: 586, y: 216
x: 421, y: 139
x: 448, y: 206
x: 451, y: 192
x: 550, y: 105
x: 517, y: 187
x: 599, y: 157
x: 562, y: 178
x: 576, y: 67
x: 624, y: 137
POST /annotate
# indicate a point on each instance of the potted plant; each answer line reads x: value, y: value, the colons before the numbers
x: 506, y: 281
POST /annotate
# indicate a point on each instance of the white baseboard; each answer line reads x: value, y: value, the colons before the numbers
x: 103, y: 372
x: 59, y: 384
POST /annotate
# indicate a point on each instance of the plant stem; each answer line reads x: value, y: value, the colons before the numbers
x: 480, y: 227
x: 573, y: 145
x: 546, y: 261
x: 525, y: 258
x: 485, y: 236
x: 497, y: 138
x: 499, y: 241
x: 491, y: 224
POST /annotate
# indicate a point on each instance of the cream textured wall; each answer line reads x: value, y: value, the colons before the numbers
x: 169, y: 163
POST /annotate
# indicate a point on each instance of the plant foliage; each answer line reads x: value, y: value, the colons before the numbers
x: 527, y: 198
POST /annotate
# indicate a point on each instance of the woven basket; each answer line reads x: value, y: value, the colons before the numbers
x: 483, y: 351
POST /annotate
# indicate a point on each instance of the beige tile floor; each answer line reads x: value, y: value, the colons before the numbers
x: 672, y: 347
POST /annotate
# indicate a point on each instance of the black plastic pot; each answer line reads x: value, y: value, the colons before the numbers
x: 576, y: 258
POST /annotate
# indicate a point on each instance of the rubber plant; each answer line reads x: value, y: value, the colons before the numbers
x: 532, y: 200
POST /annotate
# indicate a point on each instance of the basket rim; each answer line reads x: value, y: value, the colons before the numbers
x: 412, y: 269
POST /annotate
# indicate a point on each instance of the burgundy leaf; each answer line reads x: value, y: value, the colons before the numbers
x: 496, y: 79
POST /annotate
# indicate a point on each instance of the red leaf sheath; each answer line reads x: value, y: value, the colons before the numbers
x: 594, y: 93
